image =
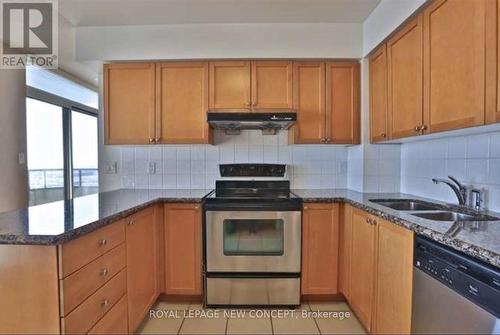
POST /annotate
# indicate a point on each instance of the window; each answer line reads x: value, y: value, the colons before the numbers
x: 62, y: 142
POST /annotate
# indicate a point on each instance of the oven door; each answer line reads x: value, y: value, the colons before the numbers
x: 253, y: 241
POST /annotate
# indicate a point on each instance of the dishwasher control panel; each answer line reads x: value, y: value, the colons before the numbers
x: 471, y: 278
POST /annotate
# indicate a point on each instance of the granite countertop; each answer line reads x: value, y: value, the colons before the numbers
x: 61, y: 221
x: 58, y: 222
x: 481, y: 241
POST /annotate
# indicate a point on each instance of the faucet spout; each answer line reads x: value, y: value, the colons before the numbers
x: 458, y: 189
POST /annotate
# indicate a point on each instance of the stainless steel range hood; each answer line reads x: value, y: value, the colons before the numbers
x: 235, y: 120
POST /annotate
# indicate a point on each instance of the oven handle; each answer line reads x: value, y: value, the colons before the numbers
x: 255, y: 206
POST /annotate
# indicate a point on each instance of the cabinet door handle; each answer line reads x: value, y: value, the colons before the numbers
x: 368, y: 220
x: 105, y: 303
x: 151, y: 140
x: 328, y: 140
x: 423, y: 128
x: 157, y: 140
x: 248, y: 104
x: 417, y: 128
x: 131, y: 222
x: 102, y: 242
x: 384, y: 135
x: 306, y: 208
x: 196, y: 207
x: 104, y: 272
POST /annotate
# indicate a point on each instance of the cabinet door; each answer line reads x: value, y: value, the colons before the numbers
x: 378, y: 95
x: 129, y: 103
x: 405, y: 71
x: 393, y: 290
x: 342, y: 103
x: 141, y: 265
x: 272, y: 84
x: 182, y: 249
x: 493, y: 115
x: 362, y: 274
x: 345, y: 251
x: 309, y: 101
x: 320, y: 247
x: 455, y: 47
x: 230, y: 85
x: 182, y: 102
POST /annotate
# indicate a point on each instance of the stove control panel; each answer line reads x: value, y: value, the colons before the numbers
x: 252, y: 170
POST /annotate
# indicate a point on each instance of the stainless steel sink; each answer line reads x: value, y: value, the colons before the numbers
x: 452, y: 216
x: 406, y: 205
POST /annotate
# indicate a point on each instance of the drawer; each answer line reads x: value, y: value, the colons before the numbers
x: 85, y: 249
x: 115, y: 321
x: 85, y: 316
x: 81, y: 284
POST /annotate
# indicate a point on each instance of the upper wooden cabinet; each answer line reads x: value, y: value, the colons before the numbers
x: 309, y: 102
x: 378, y: 95
x: 141, y: 235
x: 272, y: 84
x: 456, y: 44
x: 182, y: 223
x: 326, y: 98
x: 320, y: 248
x: 362, y: 266
x: 405, y: 71
x: 182, y: 102
x: 251, y: 85
x: 230, y: 85
x: 342, y: 102
x: 493, y: 115
x: 129, y: 103
x: 393, y: 289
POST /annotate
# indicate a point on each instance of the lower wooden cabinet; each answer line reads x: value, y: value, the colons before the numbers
x: 377, y: 271
x: 142, y: 292
x: 182, y: 249
x: 320, y: 249
x: 362, y: 269
x: 394, y: 279
x: 115, y: 321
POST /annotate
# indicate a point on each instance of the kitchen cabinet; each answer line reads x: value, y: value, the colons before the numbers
x: 345, y: 250
x: 326, y: 98
x: 378, y: 95
x: 405, y: 75
x: 230, y: 85
x: 362, y: 263
x: 493, y: 114
x: 271, y: 84
x: 342, y: 103
x: 320, y: 249
x: 182, y: 102
x: 182, y: 230
x: 129, y: 108
x: 251, y: 85
x: 141, y: 236
x: 309, y: 102
x: 394, y: 279
x: 458, y: 63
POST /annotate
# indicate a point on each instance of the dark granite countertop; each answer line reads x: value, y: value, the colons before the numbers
x: 61, y: 221
x: 58, y: 222
x: 481, y: 240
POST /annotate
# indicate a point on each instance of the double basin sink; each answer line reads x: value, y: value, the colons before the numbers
x: 438, y: 213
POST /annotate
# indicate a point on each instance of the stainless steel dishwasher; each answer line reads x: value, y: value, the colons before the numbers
x: 452, y: 292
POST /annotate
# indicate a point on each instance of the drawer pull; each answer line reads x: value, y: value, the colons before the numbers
x: 105, y: 303
x: 131, y: 222
x: 103, y: 242
x: 104, y: 272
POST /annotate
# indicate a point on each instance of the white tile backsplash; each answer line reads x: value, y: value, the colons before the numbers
x: 471, y: 159
x: 196, y: 166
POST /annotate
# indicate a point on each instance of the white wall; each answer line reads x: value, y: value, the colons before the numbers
x: 192, y: 41
x: 196, y: 166
x: 473, y: 159
x: 13, y: 176
x: 388, y: 15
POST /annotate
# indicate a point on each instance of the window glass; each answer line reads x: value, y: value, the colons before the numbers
x: 253, y: 237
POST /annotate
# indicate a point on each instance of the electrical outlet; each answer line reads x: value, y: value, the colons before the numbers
x: 21, y: 158
x: 152, y: 167
x: 111, y: 168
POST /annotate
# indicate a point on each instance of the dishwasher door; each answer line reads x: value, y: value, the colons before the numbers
x: 437, y: 309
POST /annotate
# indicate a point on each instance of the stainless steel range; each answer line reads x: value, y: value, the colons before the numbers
x: 252, y: 239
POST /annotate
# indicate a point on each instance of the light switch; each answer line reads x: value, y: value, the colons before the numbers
x: 21, y: 158
x: 152, y: 167
x: 111, y: 168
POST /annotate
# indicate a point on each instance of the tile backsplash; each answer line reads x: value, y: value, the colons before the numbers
x: 473, y: 159
x: 196, y: 166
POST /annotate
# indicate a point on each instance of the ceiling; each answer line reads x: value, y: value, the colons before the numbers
x: 159, y: 12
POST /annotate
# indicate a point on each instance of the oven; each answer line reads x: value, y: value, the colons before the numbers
x: 253, y: 241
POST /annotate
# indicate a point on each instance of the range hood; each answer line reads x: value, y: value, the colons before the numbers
x: 267, y: 121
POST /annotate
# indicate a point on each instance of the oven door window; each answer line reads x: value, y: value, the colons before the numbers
x: 253, y: 237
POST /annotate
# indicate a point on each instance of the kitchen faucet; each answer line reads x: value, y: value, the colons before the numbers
x: 459, y: 189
